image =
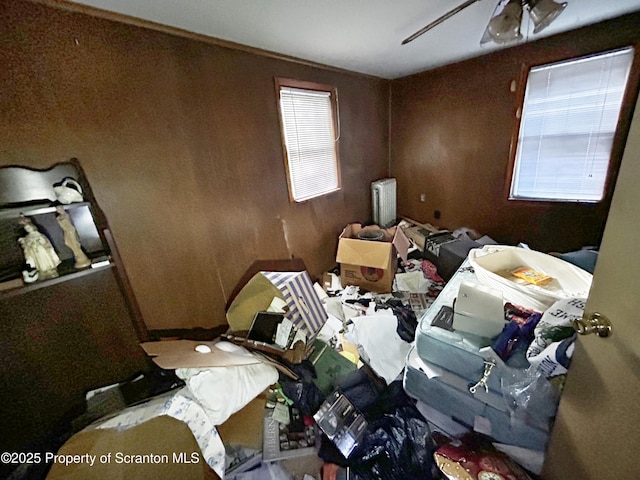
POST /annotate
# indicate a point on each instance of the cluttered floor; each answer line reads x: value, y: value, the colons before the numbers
x: 424, y: 354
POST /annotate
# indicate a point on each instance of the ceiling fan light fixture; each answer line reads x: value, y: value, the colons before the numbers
x: 543, y: 12
x: 505, y: 28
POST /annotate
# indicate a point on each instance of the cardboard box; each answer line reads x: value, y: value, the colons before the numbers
x: 160, y: 438
x: 418, y: 232
x: 244, y: 428
x: 370, y: 264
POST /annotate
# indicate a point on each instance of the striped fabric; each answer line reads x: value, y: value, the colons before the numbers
x: 305, y: 309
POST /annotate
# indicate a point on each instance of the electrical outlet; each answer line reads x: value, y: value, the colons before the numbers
x: 423, y: 197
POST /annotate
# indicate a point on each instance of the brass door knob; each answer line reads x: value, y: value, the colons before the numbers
x: 594, y: 323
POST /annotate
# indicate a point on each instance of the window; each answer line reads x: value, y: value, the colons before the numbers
x: 308, y: 113
x: 569, y: 119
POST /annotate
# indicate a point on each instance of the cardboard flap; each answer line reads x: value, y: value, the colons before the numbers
x: 171, y: 354
x: 163, y: 435
x: 255, y: 296
x: 402, y: 244
x: 362, y: 252
x: 353, y: 229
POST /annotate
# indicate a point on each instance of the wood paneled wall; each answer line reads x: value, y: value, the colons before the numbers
x: 451, y: 134
x: 181, y: 143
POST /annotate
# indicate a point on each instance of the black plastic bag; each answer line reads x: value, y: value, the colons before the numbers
x: 397, y: 443
x: 397, y: 446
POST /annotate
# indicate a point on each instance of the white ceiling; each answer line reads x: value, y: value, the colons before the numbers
x: 359, y: 35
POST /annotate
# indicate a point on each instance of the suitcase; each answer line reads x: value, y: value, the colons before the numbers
x: 466, y: 356
x: 480, y: 373
x: 484, y: 414
x: 462, y: 353
x: 458, y: 372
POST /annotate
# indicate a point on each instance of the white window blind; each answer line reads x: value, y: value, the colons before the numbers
x: 310, y: 141
x: 569, y: 119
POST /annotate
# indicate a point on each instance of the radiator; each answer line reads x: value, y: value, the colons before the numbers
x: 383, y: 200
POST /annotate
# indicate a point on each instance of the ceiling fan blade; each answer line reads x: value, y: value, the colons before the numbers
x: 437, y: 22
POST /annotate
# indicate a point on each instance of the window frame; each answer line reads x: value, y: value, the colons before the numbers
x: 333, y: 95
x: 619, y: 138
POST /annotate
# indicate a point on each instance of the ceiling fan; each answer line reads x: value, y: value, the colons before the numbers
x: 504, y: 26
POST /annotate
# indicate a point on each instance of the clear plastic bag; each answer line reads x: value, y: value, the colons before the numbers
x: 530, y: 396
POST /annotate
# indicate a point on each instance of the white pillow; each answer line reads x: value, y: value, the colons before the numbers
x: 222, y: 391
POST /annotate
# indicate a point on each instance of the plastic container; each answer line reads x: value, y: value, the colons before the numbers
x: 478, y: 310
x: 494, y: 264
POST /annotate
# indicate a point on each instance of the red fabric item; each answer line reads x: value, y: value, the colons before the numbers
x: 431, y: 271
x: 330, y: 471
x: 477, y: 460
